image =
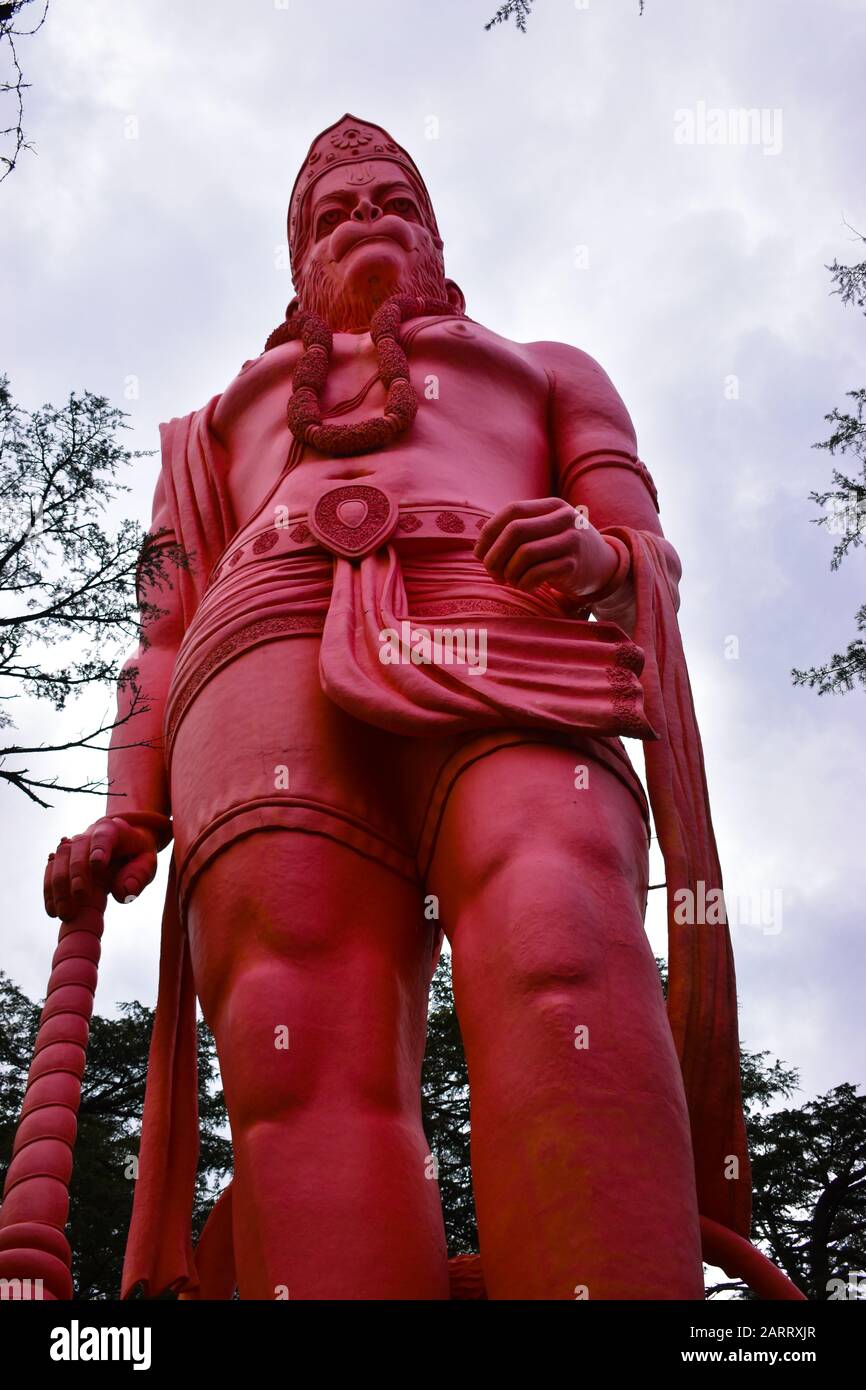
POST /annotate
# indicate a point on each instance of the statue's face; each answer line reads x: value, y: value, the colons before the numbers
x: 368, y: 241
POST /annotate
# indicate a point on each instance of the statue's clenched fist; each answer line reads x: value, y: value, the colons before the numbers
x: 545, y: 539
x: 111, y: 854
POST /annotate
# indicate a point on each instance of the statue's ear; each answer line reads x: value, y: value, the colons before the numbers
x: 455, y: 296
x: 280, y: 333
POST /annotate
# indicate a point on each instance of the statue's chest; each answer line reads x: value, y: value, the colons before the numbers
x: 477, y: 399
x: 465, y: 379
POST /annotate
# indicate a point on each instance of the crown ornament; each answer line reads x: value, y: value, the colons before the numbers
x: 348, y: 141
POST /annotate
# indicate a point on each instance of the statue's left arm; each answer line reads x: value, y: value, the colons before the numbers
x: 568, y: 540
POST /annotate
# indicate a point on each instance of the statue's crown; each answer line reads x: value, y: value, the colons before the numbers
x: 347, y: 141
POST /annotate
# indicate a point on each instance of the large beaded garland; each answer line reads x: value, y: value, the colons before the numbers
x: 311, y: 373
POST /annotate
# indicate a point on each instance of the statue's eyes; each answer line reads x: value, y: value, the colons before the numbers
x: 404, y: 207
x: 330, y: 219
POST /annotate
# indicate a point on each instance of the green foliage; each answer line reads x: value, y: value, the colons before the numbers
x: 67, y: 581
x: 809, y: 1173
x: 844, y: 503
x: 445, y: 1112
x: 763, y: 1081
x: 520, y: 10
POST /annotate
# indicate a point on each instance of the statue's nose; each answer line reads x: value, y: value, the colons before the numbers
x: 366, y: 211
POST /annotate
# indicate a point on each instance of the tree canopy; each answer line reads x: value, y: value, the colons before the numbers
x: 68, y: 606
x: 844, y: 502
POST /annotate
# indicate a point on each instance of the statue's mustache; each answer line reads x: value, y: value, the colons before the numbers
x: 322, y: 284
x: 349, y: 234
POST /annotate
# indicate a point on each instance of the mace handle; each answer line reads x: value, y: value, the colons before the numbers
x: 35, y: 1255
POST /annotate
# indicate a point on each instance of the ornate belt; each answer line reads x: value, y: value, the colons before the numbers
x: 351, y: 520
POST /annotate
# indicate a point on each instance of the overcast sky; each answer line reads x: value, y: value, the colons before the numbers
x: 143, y: 239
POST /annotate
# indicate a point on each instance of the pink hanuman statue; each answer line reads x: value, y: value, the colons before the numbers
x: 428, y: 592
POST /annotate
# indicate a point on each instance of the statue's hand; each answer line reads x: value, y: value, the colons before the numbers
x: 110, y: 853
x: 527, y: 543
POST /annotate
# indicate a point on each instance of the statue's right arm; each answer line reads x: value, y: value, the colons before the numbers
x: 120, y: 848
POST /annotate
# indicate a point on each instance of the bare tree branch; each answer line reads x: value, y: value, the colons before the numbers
x: 14, y: 89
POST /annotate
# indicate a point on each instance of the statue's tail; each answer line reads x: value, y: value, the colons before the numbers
x: 741, y: 1260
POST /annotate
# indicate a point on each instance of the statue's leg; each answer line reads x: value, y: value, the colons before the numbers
x: 312, y: 964
x: 581, y: 1153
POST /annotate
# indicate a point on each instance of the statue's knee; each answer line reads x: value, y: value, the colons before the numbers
x: 260, y: 1053
x: 565, y: 848
x: 539, y: 924
x: 286, y: 1056
x: 520, y: 931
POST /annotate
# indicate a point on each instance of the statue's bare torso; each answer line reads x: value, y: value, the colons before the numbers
x: 468, y: 446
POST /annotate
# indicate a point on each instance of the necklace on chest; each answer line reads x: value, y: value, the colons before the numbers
x: 303, y: 412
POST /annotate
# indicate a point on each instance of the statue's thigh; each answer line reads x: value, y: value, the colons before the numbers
x: 541, y: 868
x: 298, y: 938
x: 539, y: 804
x: 541, y: 877
x: 259, y: 740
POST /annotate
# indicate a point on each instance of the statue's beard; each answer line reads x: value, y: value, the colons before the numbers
x: 349, y: 310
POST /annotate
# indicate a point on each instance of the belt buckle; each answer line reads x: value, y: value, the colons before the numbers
x: 351, y: 519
